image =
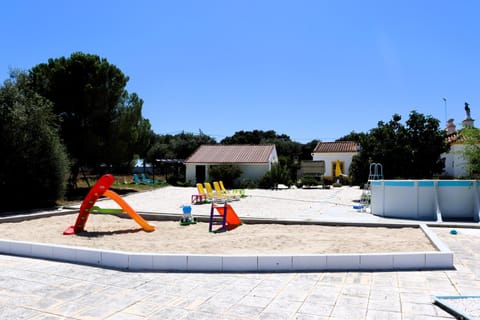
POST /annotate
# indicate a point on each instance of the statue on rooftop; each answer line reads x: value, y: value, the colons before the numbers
x: 467, y: 110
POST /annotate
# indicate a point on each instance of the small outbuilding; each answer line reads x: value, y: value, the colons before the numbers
x: 337, y: 156
x: 253, y: 160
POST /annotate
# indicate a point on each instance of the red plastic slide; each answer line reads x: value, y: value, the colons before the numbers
x: 101, y: 189
x: 232, y: 217
x: 128, y: 210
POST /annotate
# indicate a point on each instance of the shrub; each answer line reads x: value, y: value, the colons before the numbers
x: 327, y: 181
x: 308, y: 181
x: 248, y: 184
x: 277, y: 175
x: 176, y: 180
x: 227, y: 173
x: 34, y: 164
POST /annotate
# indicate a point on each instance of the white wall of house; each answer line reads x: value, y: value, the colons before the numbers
x: 273, y: 159
x: 190, y: 171
x: 455, y: 164
x: 254, y: 171
x: 249, y: 171
x: 330, y: 158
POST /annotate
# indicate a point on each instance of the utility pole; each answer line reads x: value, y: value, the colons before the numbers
x: 445, y: 103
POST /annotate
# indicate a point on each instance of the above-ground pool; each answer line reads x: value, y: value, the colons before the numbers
x: 426, y: 199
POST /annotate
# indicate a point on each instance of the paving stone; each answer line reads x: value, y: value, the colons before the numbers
x: 241, y: 310
x: 141, y: 309
x: 317, y: 309
x: 39, y: 289
x: 250, y: 300
x: 15, y: 312
x: 383, y: 315
x: 170, y: 313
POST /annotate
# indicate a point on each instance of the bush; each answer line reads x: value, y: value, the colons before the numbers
x: 34, y: 164
x: 227, y: 173
x: 277, y: 175
x: 177, y: 180
x: 248, y: 184
x: 327, y: 181
x: 308, y: 181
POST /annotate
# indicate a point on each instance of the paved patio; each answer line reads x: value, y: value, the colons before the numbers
x: 39, y: 289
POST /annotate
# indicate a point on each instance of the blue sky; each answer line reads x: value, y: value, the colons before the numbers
x: 309, y: 69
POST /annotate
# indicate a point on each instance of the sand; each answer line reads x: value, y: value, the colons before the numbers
x: 123, y: 234
x: 114, y: 233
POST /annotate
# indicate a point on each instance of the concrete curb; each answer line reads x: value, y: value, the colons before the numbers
x: 441, y: 259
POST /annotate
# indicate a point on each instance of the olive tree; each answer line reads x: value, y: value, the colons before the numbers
x: 33, y: 165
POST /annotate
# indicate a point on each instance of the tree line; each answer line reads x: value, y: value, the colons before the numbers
x: 75, y: 112
x: 410, y: 151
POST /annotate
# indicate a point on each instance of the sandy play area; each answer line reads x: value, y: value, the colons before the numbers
x: 111, y: 232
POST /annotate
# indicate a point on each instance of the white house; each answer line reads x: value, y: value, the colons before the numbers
x: 253, y: 160
x: 455, y: 164
x: 333, y: 152
x: 343, y: 151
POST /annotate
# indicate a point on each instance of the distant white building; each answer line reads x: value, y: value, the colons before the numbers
x: 456, y: 165
x: 253, y: 160
x: 331, y: 152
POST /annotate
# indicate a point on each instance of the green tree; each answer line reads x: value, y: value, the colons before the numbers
x: 307, y: 149
x: 254, y: 137
x: 131, y: 134
x: 471, y: 152
x: 411, y: 151
x: 427, y: 143
x: 179, y: 146
x: 33, y: 165
x: 100, y: 119
x: 352, y: 136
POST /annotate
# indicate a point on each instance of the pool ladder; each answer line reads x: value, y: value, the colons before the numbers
x: 376, y: 173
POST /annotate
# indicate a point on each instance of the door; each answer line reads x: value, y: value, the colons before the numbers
x: 200, y: 174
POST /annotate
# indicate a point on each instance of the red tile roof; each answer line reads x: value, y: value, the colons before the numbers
x: 338, y: 146
x: 232, y: 154
x: 455, y: 137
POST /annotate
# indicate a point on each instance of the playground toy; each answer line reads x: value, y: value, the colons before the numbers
x: 187, y: 217
x: 198, y: 198
x: 229, y: 220
x: 101, y: 189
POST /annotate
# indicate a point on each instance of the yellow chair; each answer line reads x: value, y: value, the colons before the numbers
x: 217, y: 197
x: 200, y: 189
x: 201, y: 196
x: 224, y: 192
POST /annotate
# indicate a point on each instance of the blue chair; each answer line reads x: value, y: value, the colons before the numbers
x: 146, y: 180
x: 136, y: 179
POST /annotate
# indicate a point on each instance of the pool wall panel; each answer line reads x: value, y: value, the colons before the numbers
x: 416, y: 199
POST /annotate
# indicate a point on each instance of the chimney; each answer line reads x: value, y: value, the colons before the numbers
x: 450, y: 127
